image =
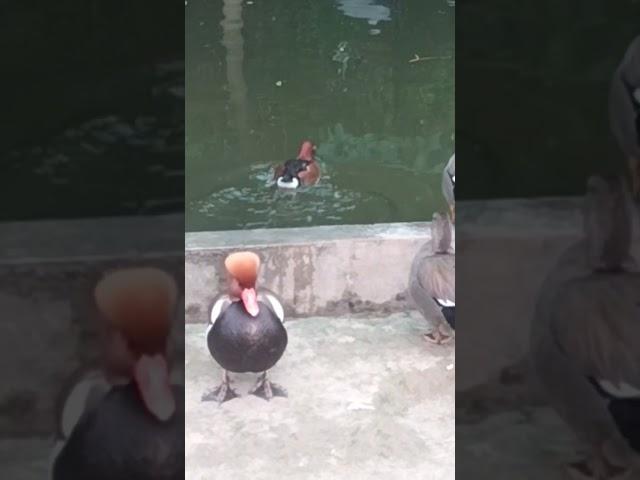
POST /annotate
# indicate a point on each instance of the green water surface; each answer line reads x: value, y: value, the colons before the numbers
x: 261, y: 76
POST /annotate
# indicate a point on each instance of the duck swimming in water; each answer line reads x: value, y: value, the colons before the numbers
x: 624, y: 110
x: 123, y: 422
x: 246, y: 331
x: 432, y: 281
x: 301, y: 171
x: 585, y: 344
x: 449, y: 186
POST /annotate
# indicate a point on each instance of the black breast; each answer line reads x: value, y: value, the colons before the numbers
x: 293, y: 167
x: 626, y: 414
x: 120, y: 439
x: 242, y: 343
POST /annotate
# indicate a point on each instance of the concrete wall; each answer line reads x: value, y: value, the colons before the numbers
x: 49, y: 329
x: 355, y: 269
x: 315, y: 270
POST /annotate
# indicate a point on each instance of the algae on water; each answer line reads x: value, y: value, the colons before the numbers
x: 427, y: 153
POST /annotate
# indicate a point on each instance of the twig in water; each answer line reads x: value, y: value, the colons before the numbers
x: 417, y: 58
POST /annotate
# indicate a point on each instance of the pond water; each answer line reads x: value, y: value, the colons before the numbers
x: 371, y: 82
x: 532, y: 92
x: 95, y: 111
x: 108, y: 163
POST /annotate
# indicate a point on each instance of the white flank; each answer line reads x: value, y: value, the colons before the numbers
x: 294, y: 183
x: 209, y: 327
x: 623, y: 390
x: 216, y: 310
x: 276, y: 306
x: 76, y: 402
x: 445, y: 303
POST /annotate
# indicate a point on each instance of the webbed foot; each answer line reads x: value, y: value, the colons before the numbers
x: 436, y: 336
x: 266, y: 389
x: 222, y: 393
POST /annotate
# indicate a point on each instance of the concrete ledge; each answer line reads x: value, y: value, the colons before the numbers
x: 329, y: 271
x: 316, y: 271
x: 84, y: 240
x: 48, y: 268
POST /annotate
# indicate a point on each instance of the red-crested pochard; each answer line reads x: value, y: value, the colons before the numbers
x: 133, y: 427
x: 246, y: 331
x: 300, y: 171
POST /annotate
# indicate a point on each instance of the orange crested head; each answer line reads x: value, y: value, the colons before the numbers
x: 244, y: 267
x: 140, y: 304
x: 307, y: 151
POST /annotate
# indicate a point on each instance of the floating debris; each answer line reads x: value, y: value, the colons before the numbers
x: 417, y: 58
x: 279, y: 83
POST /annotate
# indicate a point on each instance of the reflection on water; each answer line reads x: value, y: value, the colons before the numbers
x: 234, y: 44
x: 263, y: 76
x: 80, y: 171
x: 546, y: 65
x: 366, y: 9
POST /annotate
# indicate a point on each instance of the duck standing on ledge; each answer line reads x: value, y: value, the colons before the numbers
x: 624, y: 110
x: 132, y: 428
x: 449, y: 185
x: 586, y: 343
x: 246, y: 331
x: 301, y: 171
x: 432, y: 281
